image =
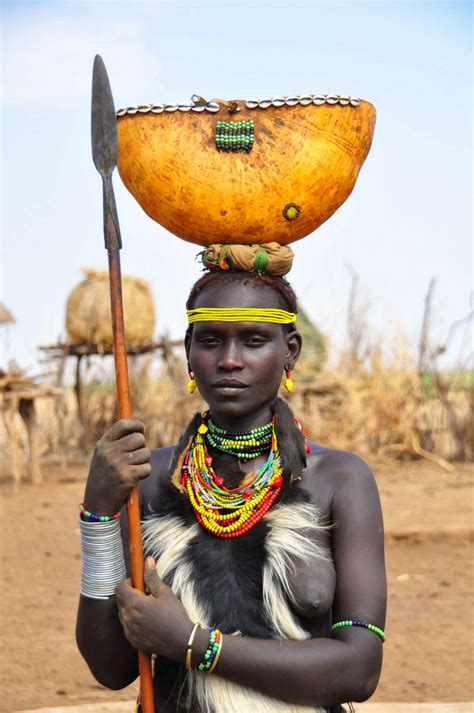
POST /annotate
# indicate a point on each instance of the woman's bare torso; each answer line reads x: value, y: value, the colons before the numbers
x: 313, y: 589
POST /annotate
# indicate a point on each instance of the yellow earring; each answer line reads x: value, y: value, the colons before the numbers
x: 191, y: 383
x: 288, y: 381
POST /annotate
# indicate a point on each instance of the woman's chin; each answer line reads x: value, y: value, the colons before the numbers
x: 239, y: 406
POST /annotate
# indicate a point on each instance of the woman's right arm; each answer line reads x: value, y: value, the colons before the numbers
x: 111, y: 658
x: 120, y: 461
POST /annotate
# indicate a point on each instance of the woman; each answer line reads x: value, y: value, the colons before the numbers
x: 301, y: 550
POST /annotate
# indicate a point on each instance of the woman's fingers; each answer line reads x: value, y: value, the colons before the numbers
x: 120, y: 460
x: 138, y: 472
x: 153, y: 583
x: 126, y: 599
x: 126, y: 595
x: 156, y: 621
x: 138, y: 457
x: 132, y: 442
x: 124, y: 591
x: 124, y: 427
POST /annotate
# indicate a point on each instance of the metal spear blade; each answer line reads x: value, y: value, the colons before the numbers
x: 105, y: 148
x: 104, y: 122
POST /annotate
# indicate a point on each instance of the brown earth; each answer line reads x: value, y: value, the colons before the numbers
x: 429, y: 649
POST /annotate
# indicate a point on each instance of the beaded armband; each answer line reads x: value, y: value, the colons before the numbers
x: 358, y: 622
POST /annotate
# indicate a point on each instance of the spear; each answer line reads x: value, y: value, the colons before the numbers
x: 105, y: 156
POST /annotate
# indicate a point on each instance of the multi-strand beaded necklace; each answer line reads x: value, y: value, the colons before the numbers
x: 244, y: 446
x: 230, y: 512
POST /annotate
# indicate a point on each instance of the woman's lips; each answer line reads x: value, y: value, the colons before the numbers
x: 229, y: 387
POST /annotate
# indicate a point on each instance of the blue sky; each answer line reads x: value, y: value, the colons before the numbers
x: 408, y: 219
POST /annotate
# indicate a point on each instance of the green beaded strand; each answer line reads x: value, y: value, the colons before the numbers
x: 244, y: 446
x: 362, y: 624
x: 267, y: 428
x: 215, y: 637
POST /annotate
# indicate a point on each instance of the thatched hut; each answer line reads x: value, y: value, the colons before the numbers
x: 88, y: 319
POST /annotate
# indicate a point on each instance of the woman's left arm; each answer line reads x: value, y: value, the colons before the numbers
x: 319, y: 671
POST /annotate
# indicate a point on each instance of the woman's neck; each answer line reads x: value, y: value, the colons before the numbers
x: 242, y: 424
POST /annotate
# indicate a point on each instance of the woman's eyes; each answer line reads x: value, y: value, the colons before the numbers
x: 208, y: 340
x: 254, y: 340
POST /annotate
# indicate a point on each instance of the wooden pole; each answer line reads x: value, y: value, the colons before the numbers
x: 133, y: 508
x: 105, y: 156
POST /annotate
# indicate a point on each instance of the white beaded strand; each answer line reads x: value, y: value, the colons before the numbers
x: 198, y: 104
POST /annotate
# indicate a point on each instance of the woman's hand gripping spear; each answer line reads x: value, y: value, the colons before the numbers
x: 105, y: 155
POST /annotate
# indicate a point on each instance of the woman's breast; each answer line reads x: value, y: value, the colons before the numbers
x: 313, y: 586
x: 298, y: 569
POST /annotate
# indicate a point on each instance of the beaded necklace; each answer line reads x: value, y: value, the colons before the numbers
x: 242, y: 445
x: 227, y: 512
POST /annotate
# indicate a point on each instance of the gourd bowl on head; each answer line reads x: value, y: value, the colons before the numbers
x: 244, y: 171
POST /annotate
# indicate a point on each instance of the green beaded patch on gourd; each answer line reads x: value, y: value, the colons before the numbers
x: 235, y: 136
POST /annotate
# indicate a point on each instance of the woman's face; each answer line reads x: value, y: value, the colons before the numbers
x: 238, y: 366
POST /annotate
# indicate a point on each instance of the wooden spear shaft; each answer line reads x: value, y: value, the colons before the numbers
x: 105, y: 154
x: 133, y: 509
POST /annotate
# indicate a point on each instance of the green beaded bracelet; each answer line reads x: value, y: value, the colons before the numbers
x: 89, y: 516
x: 358, y: 622
x: 212, y: 652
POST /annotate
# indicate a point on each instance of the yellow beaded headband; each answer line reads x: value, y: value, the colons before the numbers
x: 240, y: 314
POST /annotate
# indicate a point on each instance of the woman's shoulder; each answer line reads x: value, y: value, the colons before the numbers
x: 337, y: 461
x: 332, y: 472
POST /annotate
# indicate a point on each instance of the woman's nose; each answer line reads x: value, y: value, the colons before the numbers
x: 230, y: 356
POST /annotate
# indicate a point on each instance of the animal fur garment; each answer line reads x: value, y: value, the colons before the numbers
x: 240, y: 585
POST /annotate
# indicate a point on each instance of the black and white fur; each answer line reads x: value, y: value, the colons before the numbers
x: 241, y: 585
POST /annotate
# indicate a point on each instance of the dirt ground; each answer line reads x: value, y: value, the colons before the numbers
x: 429, y: 649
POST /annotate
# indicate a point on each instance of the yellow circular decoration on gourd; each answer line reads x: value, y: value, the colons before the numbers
x: 291, y: 211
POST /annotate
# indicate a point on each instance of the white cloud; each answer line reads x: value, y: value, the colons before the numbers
x: 48, y: 55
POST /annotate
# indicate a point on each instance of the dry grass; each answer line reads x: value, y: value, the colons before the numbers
x: 365, y: 404
x: 159, y: 395
x: 376, y: 412
x: 385, y: 413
